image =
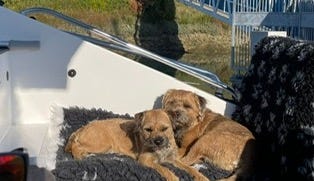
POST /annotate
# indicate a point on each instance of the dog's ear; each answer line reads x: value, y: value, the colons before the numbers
x: 165, y: 97
x: 138, y: 117
x: 202, y: 102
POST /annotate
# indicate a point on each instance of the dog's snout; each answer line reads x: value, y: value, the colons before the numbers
x: 159, y: 141
x: 177, y: 113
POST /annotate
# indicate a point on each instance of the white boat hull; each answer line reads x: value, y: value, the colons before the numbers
x: 34, y: 80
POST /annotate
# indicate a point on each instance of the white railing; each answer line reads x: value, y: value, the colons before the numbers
x: 219, y: 9
x: 293, y: 16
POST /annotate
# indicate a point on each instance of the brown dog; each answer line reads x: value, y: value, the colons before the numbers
x: 102, y: 136
x: 148, y: 138
x: 204, y: 135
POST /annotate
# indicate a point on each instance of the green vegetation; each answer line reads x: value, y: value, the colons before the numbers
x: 206, y: 41
x: 96, y: 6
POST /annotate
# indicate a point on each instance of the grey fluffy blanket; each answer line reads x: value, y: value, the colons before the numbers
x: 277, y: 105
x: 108, y: 166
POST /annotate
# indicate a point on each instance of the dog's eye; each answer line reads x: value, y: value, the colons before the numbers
x: 148, y: 129
x: 164, y: 129
x: 187, y: 106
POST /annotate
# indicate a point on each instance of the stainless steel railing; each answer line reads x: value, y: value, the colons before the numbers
x: 119, y: 44
x: 219, y: 9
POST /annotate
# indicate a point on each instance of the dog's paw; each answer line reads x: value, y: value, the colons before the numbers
x: 91, y: 155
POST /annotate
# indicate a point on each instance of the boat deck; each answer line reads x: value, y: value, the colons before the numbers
x: 23, y: 135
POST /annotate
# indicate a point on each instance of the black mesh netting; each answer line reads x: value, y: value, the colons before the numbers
x: 108, y: 166
x: 277, y: 105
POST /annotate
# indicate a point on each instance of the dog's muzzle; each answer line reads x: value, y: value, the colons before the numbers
x: 158, y: 142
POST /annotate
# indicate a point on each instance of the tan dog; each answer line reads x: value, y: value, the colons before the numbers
x: 204, y: 135
x: 149, y: 139
x: 102, y: 136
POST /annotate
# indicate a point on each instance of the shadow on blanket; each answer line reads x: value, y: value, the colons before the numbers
x: 108, y: 166
x: 277, y: 105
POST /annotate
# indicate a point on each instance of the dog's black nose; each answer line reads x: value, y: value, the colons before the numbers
x: 159, y: 141
x: 177, y: 113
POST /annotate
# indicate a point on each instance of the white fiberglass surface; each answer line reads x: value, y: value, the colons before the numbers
x: 3, y: 131
x: 38, y: 79
x: 103, y: 80
x: 28, y: 136
x: 4, y: 91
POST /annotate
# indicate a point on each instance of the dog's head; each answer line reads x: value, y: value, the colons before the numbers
x: 185, y: 108
x: 155, y: 129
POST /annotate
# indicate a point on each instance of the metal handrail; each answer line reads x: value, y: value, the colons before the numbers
x: 201, y: 74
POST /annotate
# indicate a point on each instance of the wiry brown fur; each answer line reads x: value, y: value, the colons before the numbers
x: 148, y: 138
x: 204, y: 135
x: 102, y: 136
